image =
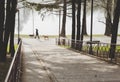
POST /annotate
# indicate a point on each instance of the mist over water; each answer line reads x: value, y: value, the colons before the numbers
x: 24, y: 14
x: 24, y: 17
x: 50, y: 24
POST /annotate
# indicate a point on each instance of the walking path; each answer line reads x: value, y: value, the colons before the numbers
x: 43, y: 61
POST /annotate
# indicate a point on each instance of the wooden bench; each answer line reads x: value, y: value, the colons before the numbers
x: 93, y: 42
x: 31, y: 35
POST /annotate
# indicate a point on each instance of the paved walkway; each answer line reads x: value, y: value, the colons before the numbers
x: 43, y: 61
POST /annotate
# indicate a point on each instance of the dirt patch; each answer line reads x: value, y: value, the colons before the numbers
x: 4, y: 68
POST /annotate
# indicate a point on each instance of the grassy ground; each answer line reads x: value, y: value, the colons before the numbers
x: 101, y: 48
x: 56, y: 36
x: 104, y: 48
x: 14, y: 46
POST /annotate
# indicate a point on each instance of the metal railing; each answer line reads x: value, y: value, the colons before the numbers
x: 99, y: 49
x: 14, y: 71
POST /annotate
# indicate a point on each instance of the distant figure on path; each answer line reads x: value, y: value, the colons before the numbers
x: 37, y: 34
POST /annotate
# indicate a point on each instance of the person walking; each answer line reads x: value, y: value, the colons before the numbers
x: 37, y: 34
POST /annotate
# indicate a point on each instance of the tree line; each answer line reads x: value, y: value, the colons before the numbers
x: 81, y: 6
x: 70, y: 8
x: 112, y: 15
x: 111, y: 11
x: 7, y: 27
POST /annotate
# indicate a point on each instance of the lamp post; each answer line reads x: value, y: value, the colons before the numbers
x: 91, y: 30
x: 18, y: 26
x: 33, y: 20
x: 59, y: 26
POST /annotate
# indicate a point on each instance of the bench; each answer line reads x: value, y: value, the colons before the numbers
x: 93, y: 42
x: 31, y: 35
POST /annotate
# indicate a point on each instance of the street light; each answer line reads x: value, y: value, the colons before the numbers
x: 90, y: 50
x: 18, y: 10
x: 33, y: 20
x: 59, y: 26
x: 18, y: 25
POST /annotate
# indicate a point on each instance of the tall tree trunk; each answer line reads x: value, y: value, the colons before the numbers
x: 73, y: 24
x: 63, y: 30
x: 83, y: 24
x: 115, y: 30
x: 108, y: 18
x: 78, y: 24
x: 115, y: 2
x: 12, y: 26
x: 84, y: 31
x: 7, y: 28
x: 2, y: 15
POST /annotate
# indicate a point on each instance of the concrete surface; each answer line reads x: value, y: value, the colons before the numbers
x: 43, y: 61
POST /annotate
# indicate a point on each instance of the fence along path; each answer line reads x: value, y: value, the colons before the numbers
x: 43, y: 61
